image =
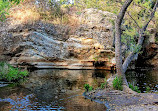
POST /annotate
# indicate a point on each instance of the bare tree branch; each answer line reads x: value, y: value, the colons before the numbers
x: 133, y: 19
x: 151, y: 16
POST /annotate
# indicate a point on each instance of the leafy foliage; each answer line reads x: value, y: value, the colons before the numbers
x: 90, y: 88
x: 9, y: 73
x: 87, y: 87
x: 148, y: 89
x: 5, y: 5
x: 134, y: 88
x: 57, y: 11
x: 138, y: 14
x: 117, y: 83
x: 103, y: 85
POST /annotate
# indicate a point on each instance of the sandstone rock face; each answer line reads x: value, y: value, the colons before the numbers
x: 43, y: 45
x: 97, y: 25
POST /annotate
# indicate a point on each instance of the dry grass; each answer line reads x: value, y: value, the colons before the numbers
x: 27, y: 12
x: 63, y: 17
x: 25, y: 15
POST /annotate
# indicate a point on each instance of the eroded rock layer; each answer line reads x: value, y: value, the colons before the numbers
x: 44, y: 45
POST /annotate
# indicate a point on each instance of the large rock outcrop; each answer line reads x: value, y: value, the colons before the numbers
x: 44, y: 45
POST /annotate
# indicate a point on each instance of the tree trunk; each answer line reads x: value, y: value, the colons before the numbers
x: 118, y: 49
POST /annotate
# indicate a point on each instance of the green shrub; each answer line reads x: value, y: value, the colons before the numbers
x: 87, y: 87
x: 103, y: 85
x: 105, y: 5
x: 90, y: 88
x: 134, y: 88
x: 9, y: 73
x: 24, y: 73
x: 117, y: 83
x: 148, y: 89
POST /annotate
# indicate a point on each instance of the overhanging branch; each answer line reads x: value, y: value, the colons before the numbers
x: 151, y: 16
x: 133, y: 19
x: 131, y: 56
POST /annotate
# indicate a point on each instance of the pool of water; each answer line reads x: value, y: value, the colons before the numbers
x: 143, y: 79
x: 53, y: 90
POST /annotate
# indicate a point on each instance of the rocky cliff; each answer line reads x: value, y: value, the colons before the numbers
x: 45, y: 45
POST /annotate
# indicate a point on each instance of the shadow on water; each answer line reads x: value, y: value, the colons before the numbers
x: 144, y: 79
x: 53, y: 90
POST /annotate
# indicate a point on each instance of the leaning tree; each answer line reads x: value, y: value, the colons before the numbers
x: 121, y: 66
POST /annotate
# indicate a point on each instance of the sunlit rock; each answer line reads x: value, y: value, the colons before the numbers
x: 45, y: 45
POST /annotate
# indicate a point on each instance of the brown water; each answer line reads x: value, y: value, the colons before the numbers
x: 53, y: 90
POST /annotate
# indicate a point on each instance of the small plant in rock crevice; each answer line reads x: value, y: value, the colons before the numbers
x: 134, y: 88
x: 90, y: 88
x: 87, y: 87
x: 103, y: 85
x: 148, y: 89
x: 117, y: 83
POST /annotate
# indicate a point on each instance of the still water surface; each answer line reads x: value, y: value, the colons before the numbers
x: 143, y: 79
x: 53, y: 90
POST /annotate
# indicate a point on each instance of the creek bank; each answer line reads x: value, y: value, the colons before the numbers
x: 123, y: 101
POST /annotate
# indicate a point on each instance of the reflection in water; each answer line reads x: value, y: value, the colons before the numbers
x: 143, y: 79
x: 62, y: 90
x: 53, y: 90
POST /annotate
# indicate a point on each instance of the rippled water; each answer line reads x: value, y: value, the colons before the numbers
x: 51, y: 90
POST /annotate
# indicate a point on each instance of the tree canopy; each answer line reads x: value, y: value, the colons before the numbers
x: 146, y: 19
